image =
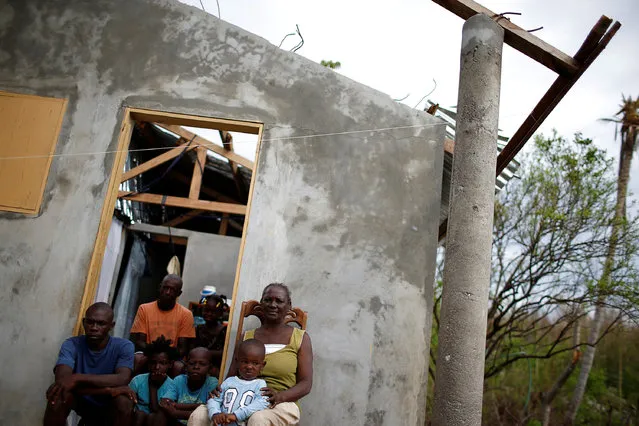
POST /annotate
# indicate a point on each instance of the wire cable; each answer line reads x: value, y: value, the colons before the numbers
x: 167, y: 148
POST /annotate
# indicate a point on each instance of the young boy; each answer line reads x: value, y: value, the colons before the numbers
x: 192, y: 389
x: 154, y: 388
x: 241, y: 396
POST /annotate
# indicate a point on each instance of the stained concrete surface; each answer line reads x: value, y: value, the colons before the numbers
x: 359, y: 253
x: 210, y: 260
x: 459, y: 385
x: 355, y: 242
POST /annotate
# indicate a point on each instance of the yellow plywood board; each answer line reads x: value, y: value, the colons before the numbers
x: 29, y: 129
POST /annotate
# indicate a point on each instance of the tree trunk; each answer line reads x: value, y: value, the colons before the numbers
x: 625, y: 159
x: 548, y: 397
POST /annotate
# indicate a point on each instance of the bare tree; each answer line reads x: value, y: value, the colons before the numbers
x: 551, y: 235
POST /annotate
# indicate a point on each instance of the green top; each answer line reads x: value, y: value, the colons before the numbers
x: 280, y: 371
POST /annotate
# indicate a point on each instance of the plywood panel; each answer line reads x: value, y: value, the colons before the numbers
x: 29, y: 128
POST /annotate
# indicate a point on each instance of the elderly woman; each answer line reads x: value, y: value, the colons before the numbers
x: 289, y: 363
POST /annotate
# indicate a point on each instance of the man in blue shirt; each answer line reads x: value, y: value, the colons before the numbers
x: 87, y: 370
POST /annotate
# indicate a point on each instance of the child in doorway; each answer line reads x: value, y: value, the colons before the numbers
x: 192, y: 389
x: 212, y: 334
x: 241, y: 396
x: 154, y: 388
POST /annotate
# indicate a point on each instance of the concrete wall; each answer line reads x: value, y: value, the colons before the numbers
x: 373, y: 234
x: 351, y: 229
x: 210, y: 260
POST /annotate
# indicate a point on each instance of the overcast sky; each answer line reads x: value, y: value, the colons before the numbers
x: 399, y: 47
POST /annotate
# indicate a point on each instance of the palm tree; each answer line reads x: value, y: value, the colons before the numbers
x: 628, y: 119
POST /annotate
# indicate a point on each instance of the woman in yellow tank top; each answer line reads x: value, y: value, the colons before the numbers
x: 289, y: 362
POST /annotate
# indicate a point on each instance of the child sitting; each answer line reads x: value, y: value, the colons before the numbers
x: 192, y: 389
x: 154, y: 388
x: 241, y: 396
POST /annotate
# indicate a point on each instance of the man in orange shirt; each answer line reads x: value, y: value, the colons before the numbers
x: 164, y: 317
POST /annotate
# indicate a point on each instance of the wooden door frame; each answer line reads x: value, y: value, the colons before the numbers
x: 130, y: 115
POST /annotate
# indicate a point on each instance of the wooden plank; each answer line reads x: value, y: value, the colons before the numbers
x: 171, y: 118
x: 205, y: 189
x: 236, y: 225
x: 166, y: 239
x: 183, y: 218
x: 156, y: 161
x: 194, y: 213
x: 198, y: 171
x: 227, y: 141
x: 224, y: 224
x: 449, y: 146
x: 106, y: 216
x: 549, y: 101
x: 593, y: 38
x: 518, y: 38
x: 236, y: 304
x: 31, y: 127
x: 211, y: 206
x: 199, y: 140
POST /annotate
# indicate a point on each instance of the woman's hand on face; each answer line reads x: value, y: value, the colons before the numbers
x: 273, y: 397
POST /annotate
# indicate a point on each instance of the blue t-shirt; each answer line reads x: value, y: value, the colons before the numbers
x: 239, y: 397
x: 140, y: 385
x: 198, y: 396
x: 76, y: 354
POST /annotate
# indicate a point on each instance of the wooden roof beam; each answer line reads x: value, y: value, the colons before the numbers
x: 517, y: 37
x: 593, y: 45
x: 156, y: 161
x: 200, y: 141
x: 198, y: 171
x: 195, y: 213
x: 205, y: 189
x: 183, y: 218
x: 557, y: 91
x: 187, y: 203
x: 227, y: 141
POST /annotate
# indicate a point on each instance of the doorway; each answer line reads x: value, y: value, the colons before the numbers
x: 177, y: 200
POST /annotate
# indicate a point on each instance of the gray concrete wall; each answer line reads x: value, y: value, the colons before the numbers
x: 351, y: 228
x: 210, y: 260
x: 373, y: 233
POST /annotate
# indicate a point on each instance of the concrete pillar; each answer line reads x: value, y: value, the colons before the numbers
x: 459, y: 377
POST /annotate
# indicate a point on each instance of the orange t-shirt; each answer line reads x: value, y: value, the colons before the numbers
x: 154, y: 322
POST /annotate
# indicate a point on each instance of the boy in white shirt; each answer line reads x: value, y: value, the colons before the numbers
x: 241, y: 396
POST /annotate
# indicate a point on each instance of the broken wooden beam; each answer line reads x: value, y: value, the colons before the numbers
x: 552, y: 97
x: 596, y: 41
x: 517, y: 37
